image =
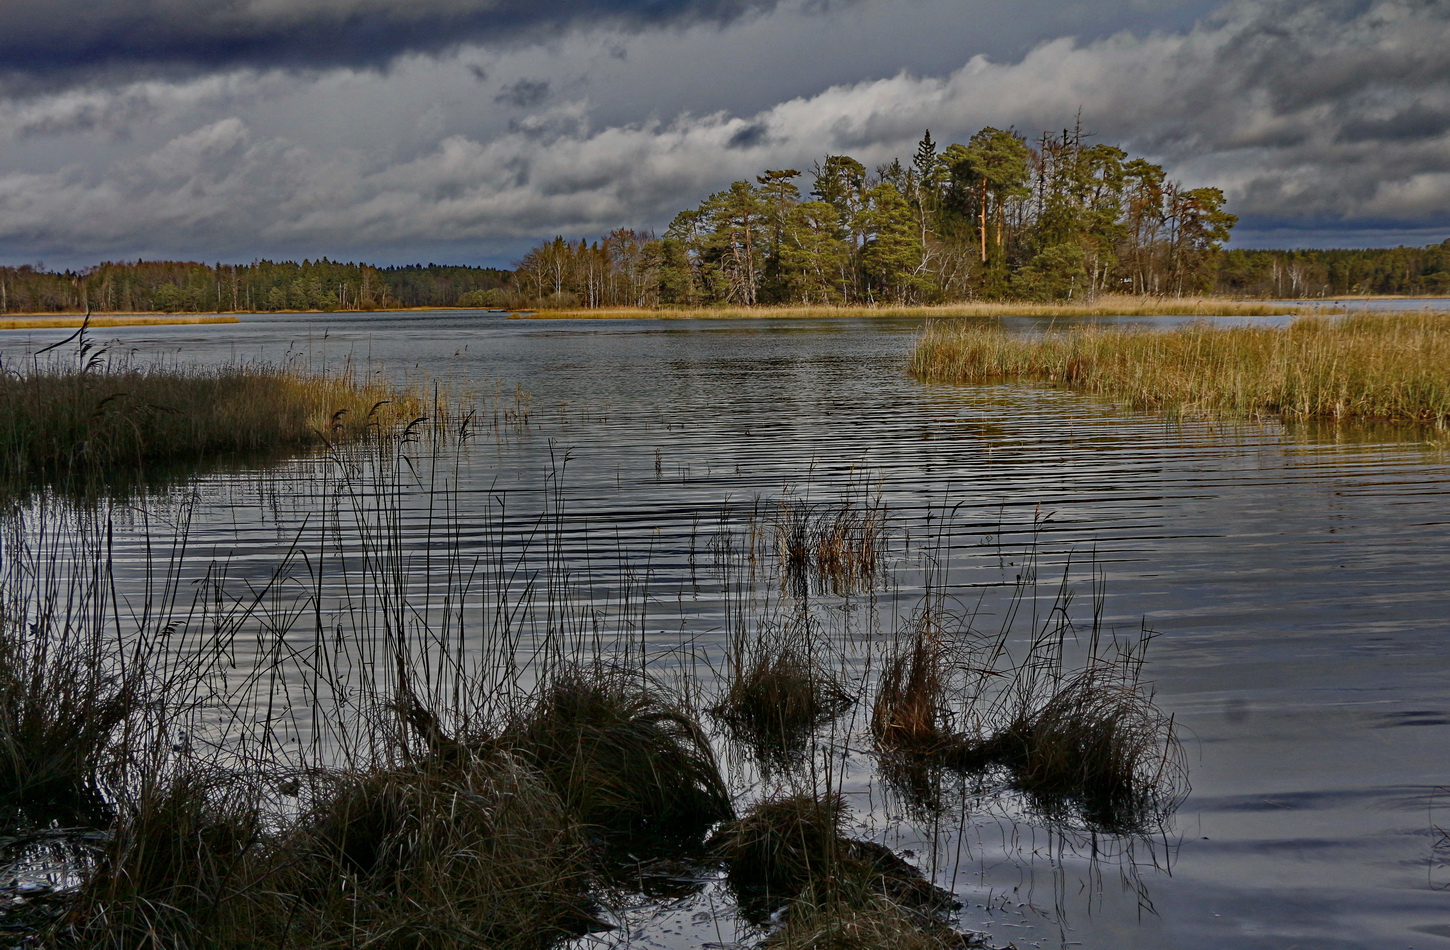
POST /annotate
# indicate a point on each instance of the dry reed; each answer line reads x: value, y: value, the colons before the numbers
x: 46, y: 322
x: 80, y: 427
x: 1365, y: 366
x: 1103, y: 306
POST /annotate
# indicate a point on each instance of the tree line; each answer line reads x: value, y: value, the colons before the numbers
x: 177, y: 286
x: 1406, y: 271
x: 996, y: 217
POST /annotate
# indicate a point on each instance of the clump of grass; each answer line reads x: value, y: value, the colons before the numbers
x: 68, y: 699
x: 625, y: 757
x: 61, y: 705
x: 1379, y: 366
x: 173, y: 866
x: 840, y: 546
x: 94, y: 423
x: 779, y: 690
x: 1100, y: 746
x: 786, y: 846
x: 1086, y: 742
x: 842, y: 915
x: 471, y: 852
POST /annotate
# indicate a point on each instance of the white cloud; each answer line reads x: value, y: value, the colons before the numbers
x: 1306, y: 112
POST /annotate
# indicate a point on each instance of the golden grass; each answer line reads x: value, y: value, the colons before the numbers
x: 83, y: 428
x: 1105, y: 306
x: 1383, y: 366
x: 118, y: 320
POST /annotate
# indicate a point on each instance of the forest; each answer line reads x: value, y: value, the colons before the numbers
x: 996, y: 218
x: 173, y: 286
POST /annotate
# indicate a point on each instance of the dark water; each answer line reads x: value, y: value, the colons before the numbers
x: 1296, y: 577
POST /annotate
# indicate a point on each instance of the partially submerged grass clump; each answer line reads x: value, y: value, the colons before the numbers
x: 1381, y: 366
x: 173, y: 871
x: 1086, y: 742
x: 834, y: 915
x: 625, y: 756
x: 841, y: 546
x: 1097, y: 744
x: 786, y: 848
x: 477, y: 851
x: 779, y: 690
x: 87, y: 426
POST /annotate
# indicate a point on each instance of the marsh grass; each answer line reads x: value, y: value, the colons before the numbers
x: 1103, y: 306
x: 174, y: 864
x: 843, y: 915
x: 473, y: 851
x: 625, y: 755
x: 87, y: 424
x: 838, y: 546
x: 1367, y: 366
x: 787, y: 848
x: 1083, y: 741
x: 114, y: 320
x: 778, y: 699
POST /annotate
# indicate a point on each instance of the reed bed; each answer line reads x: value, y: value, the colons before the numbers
x: 79, y: 426
x: 45, y: 322
x: 1383, y: 366
x: 1107, y: 305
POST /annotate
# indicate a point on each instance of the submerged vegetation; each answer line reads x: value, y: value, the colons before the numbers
x: 1381, y: 366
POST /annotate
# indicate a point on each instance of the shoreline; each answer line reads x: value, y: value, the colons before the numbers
x: 105, y: 321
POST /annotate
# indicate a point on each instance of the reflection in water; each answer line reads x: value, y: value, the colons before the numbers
x: 1296, y: 575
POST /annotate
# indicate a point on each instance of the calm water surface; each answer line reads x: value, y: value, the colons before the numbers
x: 1297, y: 577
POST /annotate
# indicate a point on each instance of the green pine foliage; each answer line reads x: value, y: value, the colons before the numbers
x: 995, y: 218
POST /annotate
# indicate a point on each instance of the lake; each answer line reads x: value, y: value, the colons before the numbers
x: 1295, y: 576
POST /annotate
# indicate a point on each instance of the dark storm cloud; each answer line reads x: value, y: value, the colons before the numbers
x: 54, y: 42
x: 524, y: 94
x: 748, y: 137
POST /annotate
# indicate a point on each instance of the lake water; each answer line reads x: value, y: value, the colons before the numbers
x: 1296, y: 577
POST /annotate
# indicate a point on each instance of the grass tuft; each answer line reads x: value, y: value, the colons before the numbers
x: 624, y: 756
x: 783, y: 848
x: 779, y: 691
x: 471, y: 852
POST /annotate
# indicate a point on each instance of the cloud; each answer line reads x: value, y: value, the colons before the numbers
x: 59, y: 42
x: 524, y: 94
x: 1312, y: 114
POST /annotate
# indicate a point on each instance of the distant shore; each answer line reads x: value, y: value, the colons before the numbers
x: 61, y: 321
x: 1102, y: 307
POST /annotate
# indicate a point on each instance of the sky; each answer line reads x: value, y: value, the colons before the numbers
x: 466, y: 131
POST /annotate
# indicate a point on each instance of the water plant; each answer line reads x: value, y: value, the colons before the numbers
x: 788, y: 846
x: 778, y: 687
x: 624, y: 755
x: 85, y: 421
x: 1365, y: 366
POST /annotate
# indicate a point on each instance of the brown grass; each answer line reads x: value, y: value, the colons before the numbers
x: 1107, y: 305
x: 118, y: 320
x: 625, y: 756
x: 1379, y: 366
x: 786, y: 847
x: 83, y: 427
